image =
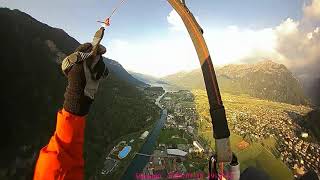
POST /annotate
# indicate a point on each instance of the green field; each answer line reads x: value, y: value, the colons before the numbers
x: 257, y: 156
x: 173, y: 136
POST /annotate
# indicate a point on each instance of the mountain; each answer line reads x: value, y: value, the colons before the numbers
x: 147, y: 78
x: 266, y: 80
x: 155, y: 82
x: 117, y: 69
x: 186, y: 79
x: 32, y: 93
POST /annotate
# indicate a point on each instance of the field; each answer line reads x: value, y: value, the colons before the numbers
x: 173, y: 136
x: 257, y: 156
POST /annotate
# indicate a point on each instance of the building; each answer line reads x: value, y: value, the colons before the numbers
x: 190, y: 129
x: 198, y: 146
x: 176, y: 152
x: 304, y: 135
x: 144, y: 135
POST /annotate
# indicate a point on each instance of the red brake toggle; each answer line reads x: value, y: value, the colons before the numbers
x: 107, y: 22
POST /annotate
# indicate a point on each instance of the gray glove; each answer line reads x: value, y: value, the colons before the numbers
x: 84, y: 71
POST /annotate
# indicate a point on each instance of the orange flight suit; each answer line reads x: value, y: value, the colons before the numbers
x: 62, y: 158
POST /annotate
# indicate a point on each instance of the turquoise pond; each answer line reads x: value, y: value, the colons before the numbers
x: 124, y: 152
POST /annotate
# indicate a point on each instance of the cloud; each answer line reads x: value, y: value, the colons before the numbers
x: 312, y: 11
x: 301, y: 50
x: 290, y: 43
x: 175, y: 21
x: 233, y: 45
x: 287, y: 27
x: 158, y: 57
x: 299, y: 47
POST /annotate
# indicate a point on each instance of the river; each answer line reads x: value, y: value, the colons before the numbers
x: 139, y: 162
x: 158, y: 100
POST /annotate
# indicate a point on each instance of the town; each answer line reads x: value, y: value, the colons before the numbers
x: 293, y: 146
x: 259, y: 120
x: 179, y: 152
x: 181, y: 146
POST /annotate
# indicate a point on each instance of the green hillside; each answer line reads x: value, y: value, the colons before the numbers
x: 117, y: 111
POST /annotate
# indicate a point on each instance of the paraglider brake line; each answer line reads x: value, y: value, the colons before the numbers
x: 106, y: 22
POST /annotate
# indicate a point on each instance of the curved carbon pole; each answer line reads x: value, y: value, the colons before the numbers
x: 219, y: 121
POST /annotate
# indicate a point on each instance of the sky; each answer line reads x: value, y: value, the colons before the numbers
x: 148, y: 36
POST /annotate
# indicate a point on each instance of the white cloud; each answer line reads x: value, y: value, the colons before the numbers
x: 175, y: 21
x: 158, y: 57
x: 232, y: 45
x: 287, y: 27
x: 312, y: 11
x: 301, y: 51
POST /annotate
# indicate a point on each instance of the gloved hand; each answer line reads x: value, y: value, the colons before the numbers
x: 84, y: 71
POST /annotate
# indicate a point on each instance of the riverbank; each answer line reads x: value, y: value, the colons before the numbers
x: 122, y: 165
x: 139, y: 162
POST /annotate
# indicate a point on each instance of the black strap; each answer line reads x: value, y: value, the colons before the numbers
x: 219, y: 123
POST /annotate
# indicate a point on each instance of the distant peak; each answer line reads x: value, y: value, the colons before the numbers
x: 271, y: 64
x: 267, y: 62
